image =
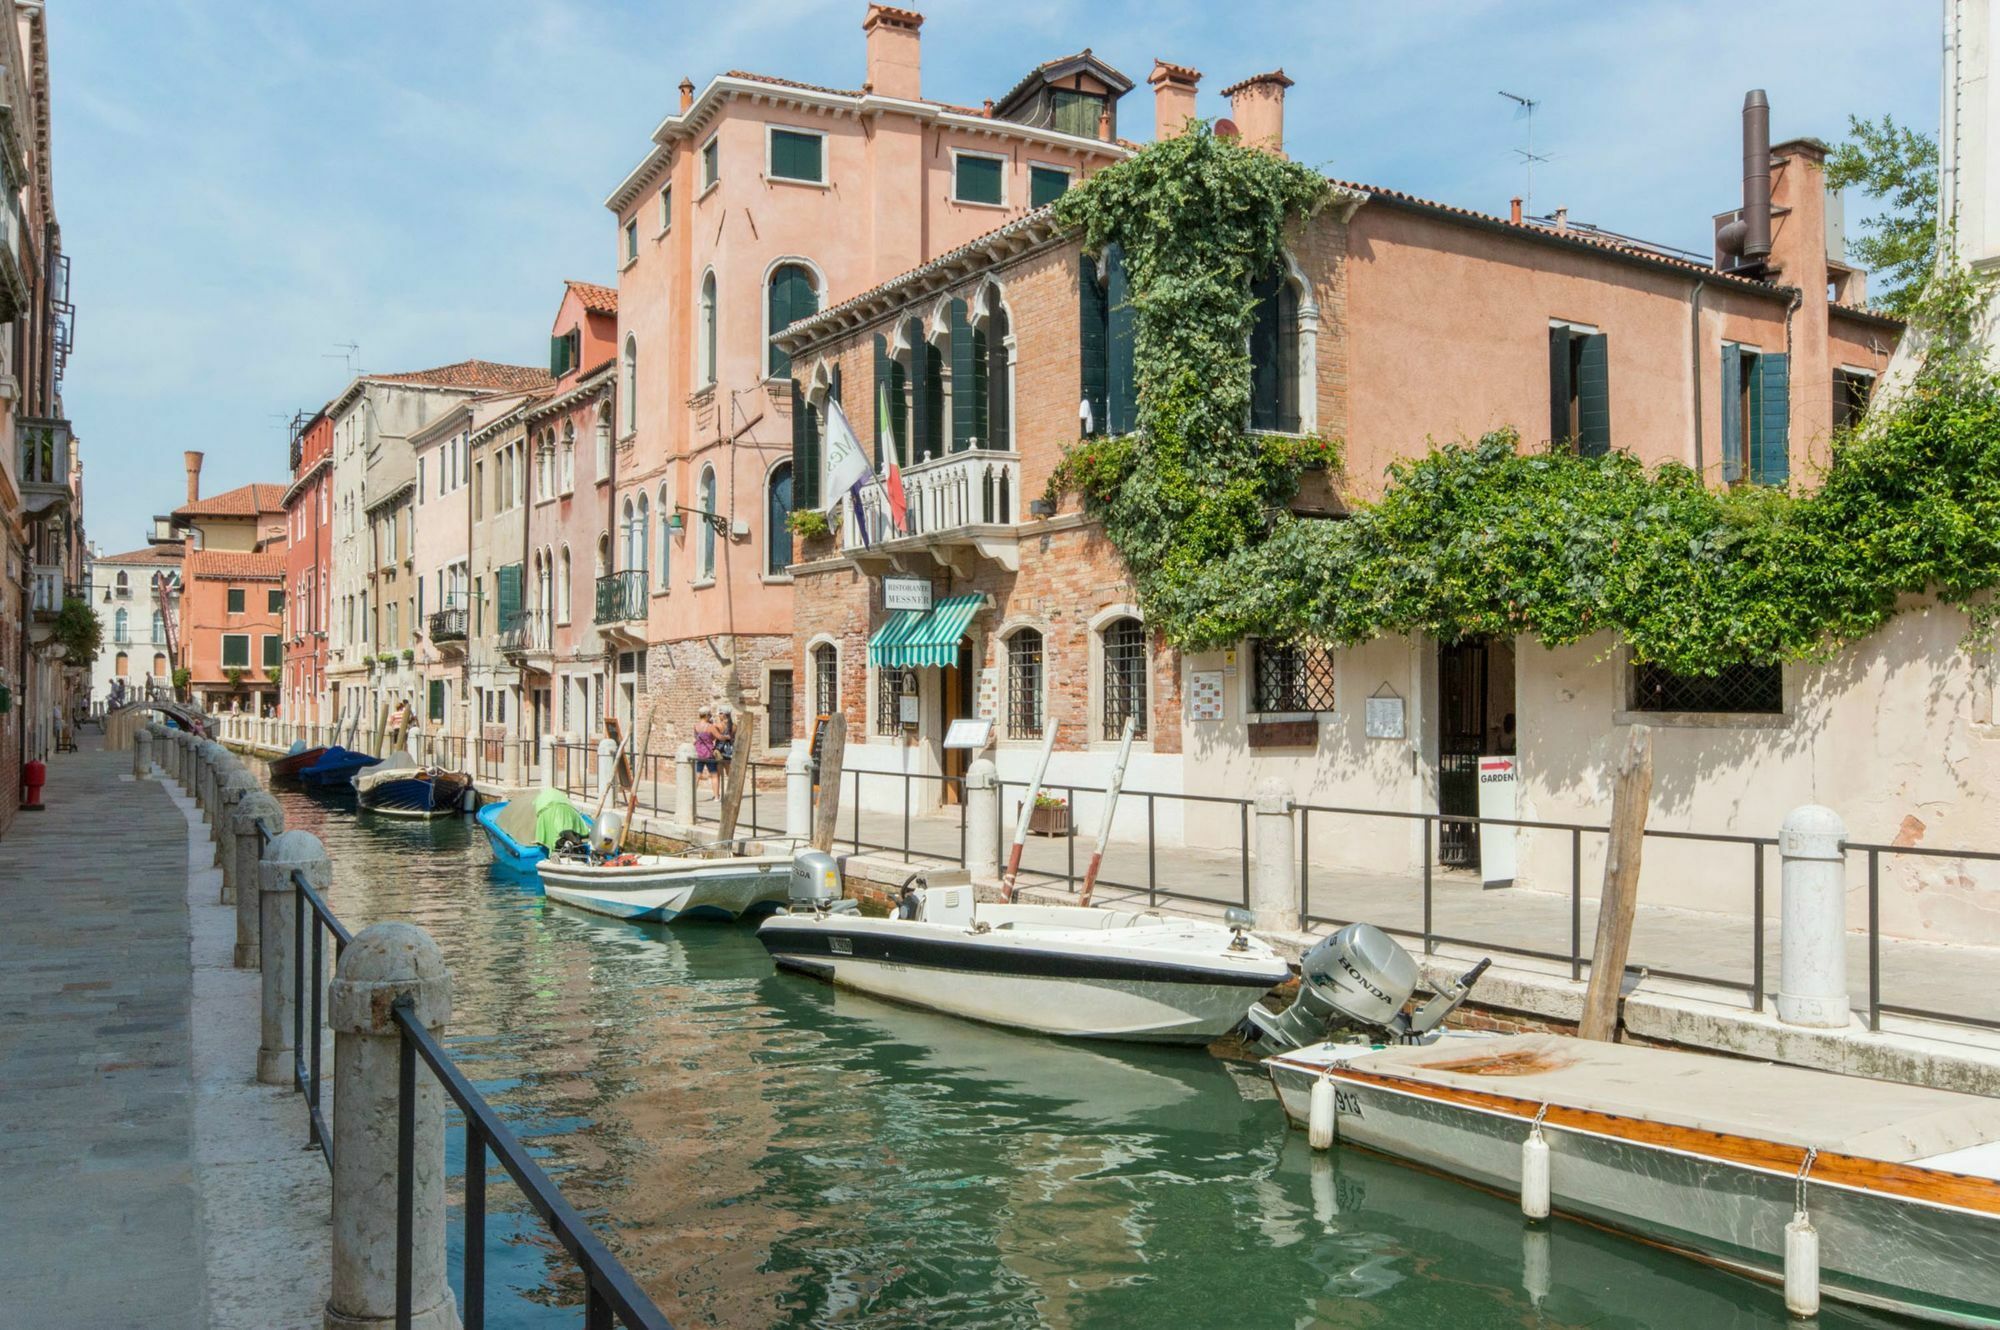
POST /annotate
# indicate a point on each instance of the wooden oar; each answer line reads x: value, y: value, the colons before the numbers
x: 1027, y: 812
x: 1110, y: 806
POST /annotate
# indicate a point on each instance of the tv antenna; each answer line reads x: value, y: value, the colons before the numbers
x: 349, y: 352
x: 1524, y: 109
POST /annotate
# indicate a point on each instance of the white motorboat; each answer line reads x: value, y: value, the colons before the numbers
x: 668, y: 887
x: 1723, y: 1160
x: 1059, y: 970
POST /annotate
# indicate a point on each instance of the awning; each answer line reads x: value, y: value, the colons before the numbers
x: 914, y: 638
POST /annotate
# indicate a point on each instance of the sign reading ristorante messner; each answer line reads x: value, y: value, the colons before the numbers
x: 906, y: 593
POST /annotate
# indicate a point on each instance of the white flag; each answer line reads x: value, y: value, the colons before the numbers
x: 846, y: 464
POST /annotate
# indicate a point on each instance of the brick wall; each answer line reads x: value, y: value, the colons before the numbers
x: 685, y: 676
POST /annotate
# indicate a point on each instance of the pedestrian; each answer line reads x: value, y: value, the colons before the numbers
x: 725, y: 735
x: 706, y: 738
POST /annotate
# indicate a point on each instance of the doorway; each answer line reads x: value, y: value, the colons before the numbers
x: 1475, y: 680
x: 955, y: 702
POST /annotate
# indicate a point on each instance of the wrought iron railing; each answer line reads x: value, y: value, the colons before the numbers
x: 621, y: 596
x: 448, y: 625
x: 524, y: 631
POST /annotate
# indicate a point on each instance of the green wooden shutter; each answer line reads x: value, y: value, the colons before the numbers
x: 1120, y: 375
x: 934, y: 423
x: 833, y: 387
x: 507, y: 591
x: 437, y: 699
x: 998, y: 424
x: 1772, y: 454
x: 1559, y: 386
x: 1266, y: 351
x: 1593, y: 397
x: 1732, y: 422
x: 791, y: 298
x: 917, y: 447
x: 1092, y: 332
x: 964, y: 391
x: 805, y: 452
x: 1046, y: 185
x: 882, y: 408
x: 982, y: 391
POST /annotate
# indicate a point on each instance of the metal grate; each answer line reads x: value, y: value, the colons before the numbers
x: 1124, y: 678
x: 1741, y: 689
x: 888, y: 688
x: 780, y: 734
x: 1291, y: 678
x: 826, y: 679
x: 1024, y: 685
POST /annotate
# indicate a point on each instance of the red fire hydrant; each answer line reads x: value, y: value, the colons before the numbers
x: 33, y: 777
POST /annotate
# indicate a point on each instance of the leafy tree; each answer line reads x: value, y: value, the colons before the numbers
x: 1897, y: 166
x: 79, y: 632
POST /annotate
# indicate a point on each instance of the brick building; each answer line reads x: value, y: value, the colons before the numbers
x: 308, y: 560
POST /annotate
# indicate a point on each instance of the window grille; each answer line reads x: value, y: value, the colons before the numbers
x: 826, y: 679
x: 1291, y: 678
x: 1740, y: 689
x: 1024, y: 685
x: 780, y: 735
x: 1124, y: 678
x: 888, y: 689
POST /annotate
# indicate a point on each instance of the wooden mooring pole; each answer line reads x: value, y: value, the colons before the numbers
x: 832, y: 750
x: 1618, y: 906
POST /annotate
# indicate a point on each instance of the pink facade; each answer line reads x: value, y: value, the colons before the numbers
x: 308, y: 567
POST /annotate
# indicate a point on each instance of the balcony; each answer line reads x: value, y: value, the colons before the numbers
x: 17, y: 259
x: 956, y: 507
x: 621, y: 598
x: 44, y: 468
x: 447, y: 626
x: 525, y: 633
x: 45, y: 592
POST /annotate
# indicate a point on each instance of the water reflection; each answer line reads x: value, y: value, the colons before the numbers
x: 763, y: 1150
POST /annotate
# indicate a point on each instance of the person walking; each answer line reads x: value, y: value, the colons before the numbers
x: 706, y: 740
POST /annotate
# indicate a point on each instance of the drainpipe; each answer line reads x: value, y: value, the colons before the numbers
x: 1694, y: 359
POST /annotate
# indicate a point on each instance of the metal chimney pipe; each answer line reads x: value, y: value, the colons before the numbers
x: 1756, y: 175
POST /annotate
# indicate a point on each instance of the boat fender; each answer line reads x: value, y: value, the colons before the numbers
x: 1535, y: 1170
x: 1802, y: 1252
x: 1319, y: 1114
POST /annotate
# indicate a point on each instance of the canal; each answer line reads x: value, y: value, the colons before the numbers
x: 764, y: 1151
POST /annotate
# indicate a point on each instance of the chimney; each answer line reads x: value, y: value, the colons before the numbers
x: 1514, y: 212
x: 1745, y: 240
x: 687, y: 93
x: 193, y: 460
x: 1562, y: 221
x: 1257, y: 104
x: 1173, y: 98
x: 894, y: 52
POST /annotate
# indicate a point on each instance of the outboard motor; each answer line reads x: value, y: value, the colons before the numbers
x: 816, y: 884
x: 1360, y: 977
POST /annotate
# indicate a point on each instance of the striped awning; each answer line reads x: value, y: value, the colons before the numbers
x: 915, y: 638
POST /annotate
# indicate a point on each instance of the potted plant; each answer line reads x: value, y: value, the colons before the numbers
x: 234, y: 674
x: 1050, y: 816
x: 815, y: 533
x: 409, y: 654
x: 183, y: 676
x: 273, y: 674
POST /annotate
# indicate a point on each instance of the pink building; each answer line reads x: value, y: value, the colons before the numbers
x: 760, y: 202
x: 308, y: 565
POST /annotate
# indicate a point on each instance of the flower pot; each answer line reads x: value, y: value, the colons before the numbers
x: 1047, y: 820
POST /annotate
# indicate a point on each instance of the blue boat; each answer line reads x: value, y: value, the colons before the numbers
x: 336, y: 766
x: 510, y: 827
x: 401, y: 788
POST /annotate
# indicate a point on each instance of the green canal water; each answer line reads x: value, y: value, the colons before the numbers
x: 764, y: 1151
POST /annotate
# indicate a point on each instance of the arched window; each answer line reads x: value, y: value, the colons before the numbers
x: 627, y: 537
x: 666, y: 536
x: 568, y: 467
x: 777, y: 515
x: 826, y: 679
x: 159, y: 627
x: 705, y: 370
x: 159, y: 665
x: 563, y: 570
x: 122, y: 665
x: 631, y: 383
x: 706, y: 502
x: 1024, y: 685
x: 124, y: 585
x: 642, y: 537
x: 792, y: 294
x: 119, y: 630
x: 995, y: 330
x: 1274, y: 354
x: 1124, y: 677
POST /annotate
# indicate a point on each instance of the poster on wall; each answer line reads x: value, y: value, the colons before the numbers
x: 1382, y: 718
x: 1499, y: 788
x: 1205, y: 695
x: 987, y: 699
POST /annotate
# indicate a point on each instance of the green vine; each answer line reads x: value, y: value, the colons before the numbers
x: 808, y: 523
x: 1480, y: 537
x: 78, y: 631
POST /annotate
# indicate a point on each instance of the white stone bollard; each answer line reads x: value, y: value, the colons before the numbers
x: 798, y: 793
x: 1274, y: 884
x: 607, y: 766
x: 384, y: 963
x: 982, y: 819
x: 142, y: 753
x: 684, y: 785
x: 1812, y: 938
x: 277, y: 918
x: 546, y: 757
x: 211, y: 757
x: 248, y: 876
x: 513, y: 749
x: 234, y: 787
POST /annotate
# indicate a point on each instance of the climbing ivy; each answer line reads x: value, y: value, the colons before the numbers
x: 78, y: 631
x: 1482, y: 537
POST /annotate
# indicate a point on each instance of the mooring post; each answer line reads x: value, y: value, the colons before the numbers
x: 386, y: 963
x: 279, y: 904
x: 982, y: 819
x: 607, y: 764
x: 1274, y: 896
x: 142, y: 753
x: 684, y: 785
x: 249, y: 854
x: 798, y: 793
x: 1812, y: 935
x: 213, y: 757
x: 545, y: 758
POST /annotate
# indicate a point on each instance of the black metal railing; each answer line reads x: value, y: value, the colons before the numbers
x: 1873, y: 855
x: 448, y: 625
x: 621, y: 597
x: 525, y: 630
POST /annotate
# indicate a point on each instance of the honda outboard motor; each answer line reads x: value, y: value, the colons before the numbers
x: 816, y: 884
x: 1359, y: 977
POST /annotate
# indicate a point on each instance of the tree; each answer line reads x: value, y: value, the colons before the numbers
x: 78, y: 631
x: 1898, y: 167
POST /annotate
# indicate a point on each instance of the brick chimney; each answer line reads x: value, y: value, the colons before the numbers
x: 687, y: 93
x: 894, y: 51
x: 193, y: 460
x: 1173, y: 98
x: 1257, y: 105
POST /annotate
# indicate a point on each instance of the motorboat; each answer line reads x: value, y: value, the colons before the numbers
x: 399, y: 787
x: 664, y: 887
x: 514, y: 827
x: 1865, y: 1192
x: 1063, y: 970
x: 296, y: 760
x: 336, y: 766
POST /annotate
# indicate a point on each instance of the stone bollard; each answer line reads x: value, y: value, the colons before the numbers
x: 208, y: 776
x: 1274, y: 886
x: 982, y: 819
x: 248, y: 877
x: 177, y: 746
x: 142, y: 753
x: 236, y: 786
x: 547, y: 758
x: 277, y: 924
x: 607, y: 753
x: 684, y: 785
x: 1812, y: 937
x: 384, y: 963
x: 798, y: 793
x: 513, y: 749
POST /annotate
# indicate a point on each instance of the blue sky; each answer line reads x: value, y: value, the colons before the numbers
x: 245, y: 184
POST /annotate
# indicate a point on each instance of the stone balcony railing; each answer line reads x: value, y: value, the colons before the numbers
x: 949, y: 502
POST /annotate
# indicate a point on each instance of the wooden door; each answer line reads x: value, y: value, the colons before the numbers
x: 955, y: 683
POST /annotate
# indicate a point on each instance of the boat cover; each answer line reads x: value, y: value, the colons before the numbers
x: 554, y: 814
x: 1849, y: 1115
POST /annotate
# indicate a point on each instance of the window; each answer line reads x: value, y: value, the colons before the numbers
x: 1756, y: 416
x: 1274, y: 354
x: 1024, y: 685
x: 274, y: 601
x: 1046, y: 184
x: 562, y: 587
x: 780, y: 732
x: 705, y: 374
x: 124, y: 585
x: 890, y: 687
x: 666, y: 208
x: 642, y: 540
x: 159, y: 665
x: 1851, y: 390
x: 797, y: 154
x: 236, y: 651
x: 563, y: 353
x: 826, y: 679
x: 274, y: 651
x: 777, y: 521
x: 1124, y: 678
x: 566, y: 463
x: 1735, y: 689
x: 1579, y: 391
x: 631, y: 383
x: 1290, y: 678
x: 979, y: 179
x: 711, y: 163
x: 238, y: 599
x: 1105, y: 343
x: 122, y: 665
x: 479, y: 489
x: 436, y: 707
x: 1078, y: 113
x: 631, y: 239
x: 119, y: 632
x: 159, y: 627
x: 666, y: 536
x: 791, y: 295
x: 420, y: 477
x: 705, y: 570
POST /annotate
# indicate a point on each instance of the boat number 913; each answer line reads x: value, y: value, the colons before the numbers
x: 1346, y: 1103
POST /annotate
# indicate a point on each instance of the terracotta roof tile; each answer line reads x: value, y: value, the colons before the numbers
x: 482, y: 374
x: 216, y: 564
x: 597, y: 299
x: 793, y: 83
x: 243, y: 501
x: 147, y: 555
x: 1276, y: 76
